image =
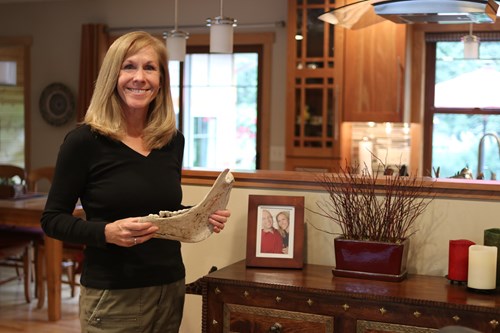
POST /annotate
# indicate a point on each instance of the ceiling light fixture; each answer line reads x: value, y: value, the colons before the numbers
x: 176, y: 41
x: 471, y: 45
x: 353, y: 15
x: 349, y: 15
x: 221, y: 33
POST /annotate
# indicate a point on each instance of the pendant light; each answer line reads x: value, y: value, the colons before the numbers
x: 176, y: 41
x: 471, y: 45
x: 221, y: 33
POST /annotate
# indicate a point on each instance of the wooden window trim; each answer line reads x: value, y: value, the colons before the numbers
x: 430, y: 110
x: 266, y: 40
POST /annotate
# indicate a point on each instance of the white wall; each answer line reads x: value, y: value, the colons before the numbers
x: 55, y: 27
x: 444, y: 220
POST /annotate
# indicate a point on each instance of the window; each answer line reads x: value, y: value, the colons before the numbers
x: 8, y: 73
x: 12, y: 108
x: 462, y: 106
x: 216, y: 97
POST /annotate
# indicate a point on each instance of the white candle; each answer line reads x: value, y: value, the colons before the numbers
x: 482, y: 272
x: 365, y: 150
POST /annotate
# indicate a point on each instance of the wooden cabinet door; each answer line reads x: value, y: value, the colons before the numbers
x: 313, y: 85
x: 245, y: 319
x: 364, y: 326
x: 374, y: 73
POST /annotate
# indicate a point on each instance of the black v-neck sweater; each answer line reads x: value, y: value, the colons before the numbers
x: 114, y: 182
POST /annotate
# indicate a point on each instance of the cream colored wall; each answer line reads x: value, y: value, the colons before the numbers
x: 444, y: 220
x: 56, y: 27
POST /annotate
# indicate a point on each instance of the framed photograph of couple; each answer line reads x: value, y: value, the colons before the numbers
x: 275, y: 231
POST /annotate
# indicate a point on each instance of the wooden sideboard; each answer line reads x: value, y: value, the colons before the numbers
x: 241, y: 299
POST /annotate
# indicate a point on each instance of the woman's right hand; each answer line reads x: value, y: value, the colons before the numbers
x: 129, y: 232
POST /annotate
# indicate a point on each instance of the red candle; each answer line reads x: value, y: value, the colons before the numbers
x: 458, y: 263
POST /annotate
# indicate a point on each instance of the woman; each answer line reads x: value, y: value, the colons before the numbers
x: 283, y: 220
x: 270, y: 239
x: 125, y: 162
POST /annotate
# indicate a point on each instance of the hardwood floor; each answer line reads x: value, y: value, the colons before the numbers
x: 18, y: 316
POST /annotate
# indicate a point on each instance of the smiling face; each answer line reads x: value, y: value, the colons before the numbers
x: 267, y: 220
x: 139, y: 80
x: 283, y: 221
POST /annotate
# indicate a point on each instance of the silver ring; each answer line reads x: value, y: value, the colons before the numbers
x: 135, y: 241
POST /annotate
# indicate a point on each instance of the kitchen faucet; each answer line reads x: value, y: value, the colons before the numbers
x: 480, y: 158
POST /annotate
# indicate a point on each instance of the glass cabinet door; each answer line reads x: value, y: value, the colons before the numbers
x: 315, y: 104
x: 312, y: 94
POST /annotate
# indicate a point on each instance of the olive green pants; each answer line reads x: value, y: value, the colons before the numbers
x: 147, y: 310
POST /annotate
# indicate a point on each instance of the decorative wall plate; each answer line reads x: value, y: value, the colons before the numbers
x: 57, y: 104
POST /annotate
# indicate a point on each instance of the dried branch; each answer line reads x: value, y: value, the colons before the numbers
x: 364, y: 209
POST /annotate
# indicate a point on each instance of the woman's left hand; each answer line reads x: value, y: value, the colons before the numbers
x: 218, y: 219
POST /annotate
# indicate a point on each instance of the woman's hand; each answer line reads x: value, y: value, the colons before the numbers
x: 218, y: 219
x: 129, y: 232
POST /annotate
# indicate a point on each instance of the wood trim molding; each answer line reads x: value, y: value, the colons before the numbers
x: 266, y: 38
x: 16, y: 41
x: 487, y: 190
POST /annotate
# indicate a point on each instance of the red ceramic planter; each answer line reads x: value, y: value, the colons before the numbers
x: 371, y: 260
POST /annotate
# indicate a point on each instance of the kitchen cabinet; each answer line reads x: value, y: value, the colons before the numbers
x: 338, y: 75
x: 374, y: 72
x: 313, y: 93
x: 241, y: 299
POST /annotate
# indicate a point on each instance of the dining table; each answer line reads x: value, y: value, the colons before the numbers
x: 26, y: 211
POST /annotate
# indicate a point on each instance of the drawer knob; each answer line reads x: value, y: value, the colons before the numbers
x: 383, y: 311
x: 217, y: 290
x: 494, y: 323
x: 456, y: 318
x: 278, y: 299
x: 276, y: 328
x: 246, y: 293
x: 310, y: 302
x: 417, y: 314
x: 345, y: 307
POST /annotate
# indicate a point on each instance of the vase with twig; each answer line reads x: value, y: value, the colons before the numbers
x: 376, y: 212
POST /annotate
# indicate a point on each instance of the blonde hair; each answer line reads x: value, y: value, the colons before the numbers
x: 285, y: 214
x: 105, y: 112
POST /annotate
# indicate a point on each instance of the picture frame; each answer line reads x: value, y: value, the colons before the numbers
x: 265, y: 214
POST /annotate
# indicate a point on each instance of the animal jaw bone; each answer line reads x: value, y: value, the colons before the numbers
x: 191, y: 225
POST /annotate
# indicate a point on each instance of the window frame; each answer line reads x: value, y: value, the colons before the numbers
x: 242, y: 42
x: 247, y: 48
x: 429, y: 109
x: 23, y: 43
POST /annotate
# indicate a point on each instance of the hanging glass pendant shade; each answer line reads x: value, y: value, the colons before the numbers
x: 221, y: 33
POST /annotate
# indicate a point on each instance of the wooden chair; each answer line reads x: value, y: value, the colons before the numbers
x: 8, y: 171
x: 72, y: 253
x: 38, y: 175
x: 19, y: 244
x: 15, y: 246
